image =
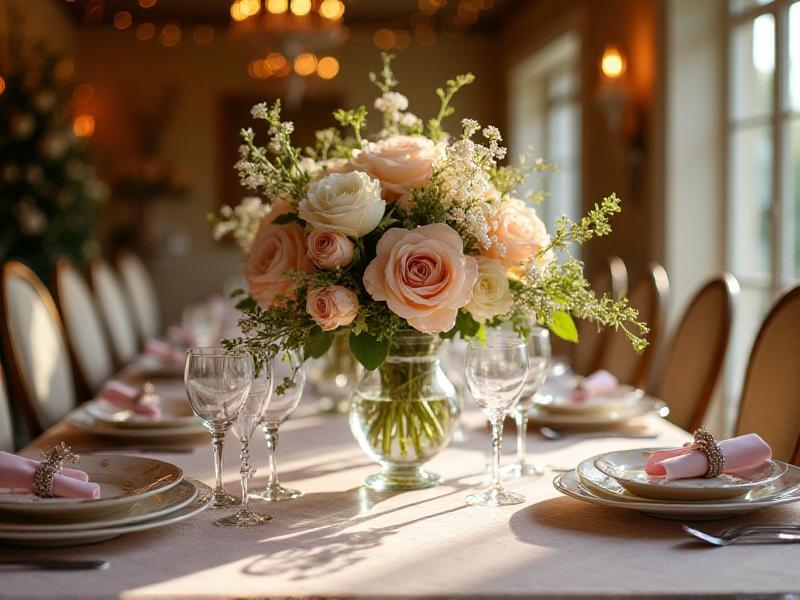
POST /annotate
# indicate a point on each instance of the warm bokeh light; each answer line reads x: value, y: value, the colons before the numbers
x: 123, y: 20
x: 612, y: 63
x: 328, y: 67
x: 145, y: 31
x: 83, y: 93
x: 237, y: 14
x: 258, y: 69
x: 384, y: 39
x: 402, y: 39
x: 83, y: 125
x: 305, y: 64
x: 250, y: 7
x: 203, y: 35
x: 466, y: 13
x: 147, y: 3
x: 426, y: 35
x: 276, y: 61
x: 300, y: 7
x: 332, y: 9
x: 277, y: 7
x: 170, y: 35
x: 2, y: 85
x: 430, y: 6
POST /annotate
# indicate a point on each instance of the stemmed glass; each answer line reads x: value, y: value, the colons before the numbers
x: 538, y: 363
x: 495, y: 375
x: 250, y: 416
x: 217, y: 382
x: 289, y: 379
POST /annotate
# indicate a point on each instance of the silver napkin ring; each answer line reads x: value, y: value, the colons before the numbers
x: 707, y: 444
x: 51, y: 465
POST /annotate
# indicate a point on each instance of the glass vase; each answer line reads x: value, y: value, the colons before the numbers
x: 333, y: 377
x: 403, y: 413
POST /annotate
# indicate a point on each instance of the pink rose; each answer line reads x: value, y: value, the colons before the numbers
x: 423, y: 275
x: 275, y: 250
x: 332, y: 306
x: 330, y: 250
x: 401, y: 162
x: 521, y: 232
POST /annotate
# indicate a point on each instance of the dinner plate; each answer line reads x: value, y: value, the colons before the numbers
x: 57, y: 539
x: 784, y: 490
x: 175, y: 412
x: 81, y: 419
x: 124, y: 480
x: 559, y: 401
x: 644, y: 406
x: 627, y: 467
x: 150, y: 508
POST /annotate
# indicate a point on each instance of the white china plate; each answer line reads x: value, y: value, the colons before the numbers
x: 627, y: 467
x: 81, y: 419
x: 150, y: 508
x: 557, y: 400
x: 57, y: 539
x: 124, y: 481
x: 782, y: 491
x: 175, y: 412
x: 645, y: 406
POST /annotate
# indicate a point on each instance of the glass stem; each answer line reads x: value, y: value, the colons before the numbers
x: 244, y: 470
x: 497, y: 442
x: 522, y: 429
x: 217, y: 443
x: 271, y: 434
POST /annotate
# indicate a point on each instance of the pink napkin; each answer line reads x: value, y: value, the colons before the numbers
x: 741, y: 454
x: 598, y: 383
x: 16, y: 472
x: 130, y: 398
x: 164, y: 351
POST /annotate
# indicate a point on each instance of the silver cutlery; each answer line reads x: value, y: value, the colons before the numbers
x: 759, y: 533
x: 552, y: 434
x: 48, y: 564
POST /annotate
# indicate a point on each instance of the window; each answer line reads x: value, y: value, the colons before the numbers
x: 763, y: 161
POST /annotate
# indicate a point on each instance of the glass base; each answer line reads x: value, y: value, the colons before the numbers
x: 243, y: 518
x: 524, y: 470
x: 225, y: 500
x: 276, y: 494
x: 402, y: 480
x: 495, y: 497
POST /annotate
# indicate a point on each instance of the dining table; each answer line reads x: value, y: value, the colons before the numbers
x: 343, y: 540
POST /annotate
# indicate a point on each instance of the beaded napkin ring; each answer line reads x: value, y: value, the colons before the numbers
x: 52, y: 464
x: 707, y: 444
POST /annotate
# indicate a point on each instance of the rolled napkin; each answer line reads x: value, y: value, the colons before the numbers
x: 129, y: 397
x: 165, y: 352
x: 16, y: 472
x: 741, y: 454
x: 598, y: 383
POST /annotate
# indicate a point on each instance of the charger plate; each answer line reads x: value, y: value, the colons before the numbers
x: 58, y: 539
x: 124, y: 481
x: 559, y: 401
x: 784, y: 490
x: 150, y: 508
x: 81, y: 419
x: 627, y: 467
x: 176, y: 412
x: 587, y: 422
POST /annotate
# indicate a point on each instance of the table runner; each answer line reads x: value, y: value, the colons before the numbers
x: 341, y: 540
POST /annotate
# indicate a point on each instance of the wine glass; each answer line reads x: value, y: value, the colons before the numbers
x: 496, y: 372
x: 289, y: 378
x: 250, y: 417
x: 217, y: 382
x: 538, y: 363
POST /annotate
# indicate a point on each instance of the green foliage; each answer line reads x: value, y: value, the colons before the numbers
x: 369, y: 350
x: 435, y: 131
x: 386, y: 80
x: 355, y: 118
x: 563, y: 326
x: 319, y: 342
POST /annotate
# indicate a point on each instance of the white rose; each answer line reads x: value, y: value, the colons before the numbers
x: 346, y: 203
x: 491, y: 295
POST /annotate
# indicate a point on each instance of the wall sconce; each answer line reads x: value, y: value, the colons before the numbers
x: 612, y: 95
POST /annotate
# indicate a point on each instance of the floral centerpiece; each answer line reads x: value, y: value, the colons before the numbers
x: 399, y: 240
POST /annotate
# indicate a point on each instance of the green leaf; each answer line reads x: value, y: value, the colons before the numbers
x: 564, y: 327
x: 246, y: 305
x: 318, y: 343
x: 368, y: 350
x: 285, y: 218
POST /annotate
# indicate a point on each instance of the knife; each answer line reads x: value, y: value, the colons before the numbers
x: 47, y: 564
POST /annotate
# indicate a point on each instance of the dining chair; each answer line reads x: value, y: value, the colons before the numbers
x: 588, y: 352
x: 86, y: 336
x: 649, y: 297
x: 116, y: 311
x: 141, y: 293
x: 6, y: 424
x: 33, y: 337
x: 770, y: 401
x: 697, y: 352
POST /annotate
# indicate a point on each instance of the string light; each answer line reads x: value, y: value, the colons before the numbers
x: 145, y: 31
x: 83, y: 125
x: 237, y: 14
x: 328, y: 67
x: 123, y: 20
x: 384, y: 39
x: 332, y: 9
x: 147, y: 3
x: 305, y: 64
x: 170, y: 35
x: 300, y: 8
x: 2, y: 85
x: 278, y: 7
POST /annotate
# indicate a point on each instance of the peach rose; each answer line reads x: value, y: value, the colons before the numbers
x: 401, y: 162
x: 330, y: 250
x: 332, y: 306
x: 423, y: 275
x: 276, y: 249
x: 520, y: 230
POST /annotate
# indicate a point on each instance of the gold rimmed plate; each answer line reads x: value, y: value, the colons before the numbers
x: 81, y: 419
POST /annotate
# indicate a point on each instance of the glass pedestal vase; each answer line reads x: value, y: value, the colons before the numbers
x: 403, y: 413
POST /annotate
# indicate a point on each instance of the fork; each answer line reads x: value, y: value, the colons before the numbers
x: 761, y: 533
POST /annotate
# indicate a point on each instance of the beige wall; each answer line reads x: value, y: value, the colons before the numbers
x: 128, y: 72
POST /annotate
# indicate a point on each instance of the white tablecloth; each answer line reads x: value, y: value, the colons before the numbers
x: 341, y: 540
